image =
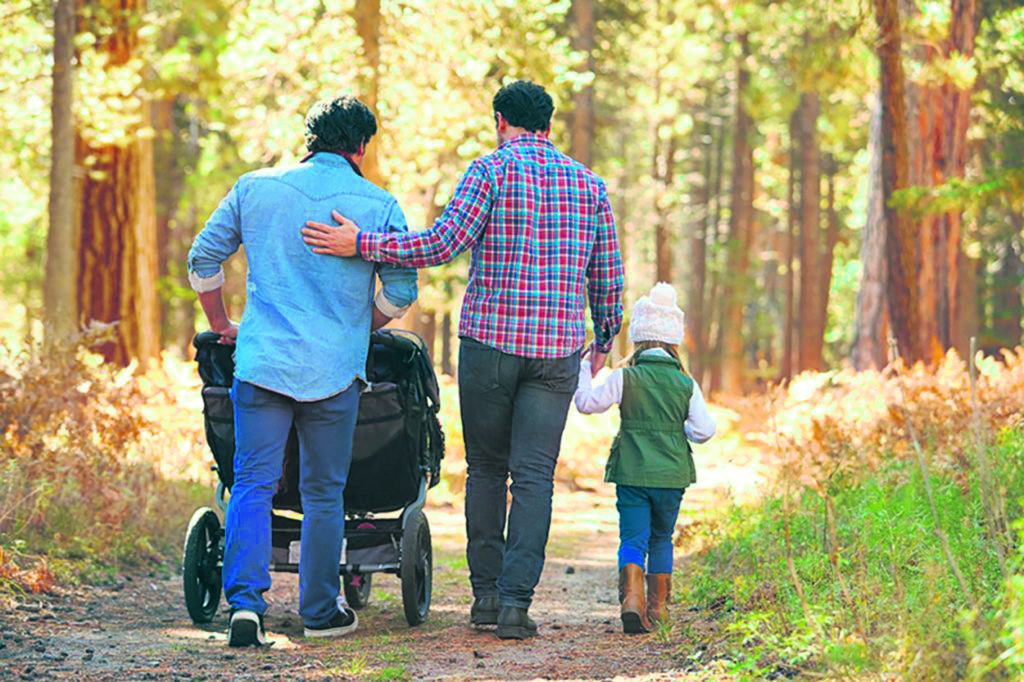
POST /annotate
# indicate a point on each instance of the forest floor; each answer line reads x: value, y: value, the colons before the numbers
x: 137, y: 628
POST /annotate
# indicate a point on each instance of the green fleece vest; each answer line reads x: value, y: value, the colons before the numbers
x: 651, y: 449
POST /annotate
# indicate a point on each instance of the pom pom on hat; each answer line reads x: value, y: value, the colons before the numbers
x: 657, y: 317
x: 663, y: 294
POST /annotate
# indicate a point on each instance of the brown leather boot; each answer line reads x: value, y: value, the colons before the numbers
x: 631, y: 596
x: 659, y: 591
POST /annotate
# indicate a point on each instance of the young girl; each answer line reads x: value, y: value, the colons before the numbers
x: 662, y: 409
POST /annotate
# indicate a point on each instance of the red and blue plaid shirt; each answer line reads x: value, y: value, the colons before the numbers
x: 541, y: 229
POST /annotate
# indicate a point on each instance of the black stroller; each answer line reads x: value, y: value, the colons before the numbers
x: 396, y: 457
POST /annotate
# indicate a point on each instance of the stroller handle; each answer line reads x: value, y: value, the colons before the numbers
x: 382, y: 337
x: 206, y: 338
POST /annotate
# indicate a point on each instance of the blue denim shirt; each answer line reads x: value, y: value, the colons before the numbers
x: 305, y: 331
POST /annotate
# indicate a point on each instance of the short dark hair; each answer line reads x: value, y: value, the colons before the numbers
x: 525, y: 104
x: 342, y: 124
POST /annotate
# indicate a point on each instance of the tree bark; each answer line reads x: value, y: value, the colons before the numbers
x: 812, y: 327
x: 173, y: 152
x: 955, y: 117
x: 60, y: 310
x: 923, y: 102
x: 446, y: 344
x: 582, y: 126
x: 712, y: 303
x: 971, y: 270
x: 1006, y: 320
x: 661, y: 172
x: 663, y: 234
x: 428, y: 322
x: 623, y: 212
x: 832, y: 234
x: 368, y: 20
x: 698, y: 244
x: 741, y: 233
x: 117, y: 215
x: 789, y: 323
x: 870, y: 324
x: 900, y: 252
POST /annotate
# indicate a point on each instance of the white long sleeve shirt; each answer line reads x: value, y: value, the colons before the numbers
x: 699, y: 426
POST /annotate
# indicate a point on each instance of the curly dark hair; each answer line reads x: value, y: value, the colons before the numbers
x: 525, y: 104
x: 342, y: 124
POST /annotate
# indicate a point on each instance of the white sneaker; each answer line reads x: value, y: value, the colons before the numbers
x: 246, y: 629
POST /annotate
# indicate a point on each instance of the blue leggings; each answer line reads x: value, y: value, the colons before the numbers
x: 647, y: 518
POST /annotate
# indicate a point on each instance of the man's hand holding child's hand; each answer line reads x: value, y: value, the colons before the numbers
x: 596, y: 358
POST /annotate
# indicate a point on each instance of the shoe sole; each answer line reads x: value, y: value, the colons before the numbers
x: 245, y: 631
x: 632, y: 624
x: 334, y: 632
x: 515, y: 632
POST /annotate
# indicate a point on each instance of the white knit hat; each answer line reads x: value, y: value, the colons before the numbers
x: 657, y: 317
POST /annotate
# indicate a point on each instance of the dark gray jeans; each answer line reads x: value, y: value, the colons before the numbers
x: 513, y: 415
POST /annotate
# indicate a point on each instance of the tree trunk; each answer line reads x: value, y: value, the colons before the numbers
x: 622, y: 214
x: 741, y: 231
x: 971, y: 270
x: 869, y: 349
x: 446, y: 344
x: 712, y: 303
x: 698, y: 244
x: 1006, y: 320
x: 662, y: 171
x: 812, y: 327
x: 428, y: 322
x: 831, y: 240
x: 117, y: 216
x: 60, y: 311
x: 172, y: 153
x: 789, y: 322
x: 922, y: 104
x: 368, y: 20
x: 900, y: 250
x: 955, y: 118
x: 582, y: 126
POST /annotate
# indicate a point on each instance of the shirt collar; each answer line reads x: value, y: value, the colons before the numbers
x: 330, y: 159
x: 528, y: 138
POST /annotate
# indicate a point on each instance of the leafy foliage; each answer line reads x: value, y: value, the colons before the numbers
x: 86, y: 472
x: 839, y: 570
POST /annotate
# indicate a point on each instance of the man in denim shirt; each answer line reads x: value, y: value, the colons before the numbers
x: 302, y: 347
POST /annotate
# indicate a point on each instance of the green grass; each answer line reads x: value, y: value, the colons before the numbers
x: 396, y: 672
x: 893, y: 605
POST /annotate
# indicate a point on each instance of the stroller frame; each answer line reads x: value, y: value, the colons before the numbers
x: 373, y: 543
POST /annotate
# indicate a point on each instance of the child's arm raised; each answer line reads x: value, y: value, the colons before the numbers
x: 592, y: 399
x: 699, y: 426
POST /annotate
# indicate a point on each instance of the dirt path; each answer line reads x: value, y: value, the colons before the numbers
x: 138, y: 627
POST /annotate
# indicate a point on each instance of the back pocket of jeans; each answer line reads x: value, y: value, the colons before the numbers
x: 561, y: 375
x: 479, y: 365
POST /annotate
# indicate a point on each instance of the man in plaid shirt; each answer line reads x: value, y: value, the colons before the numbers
x: 541, y: 232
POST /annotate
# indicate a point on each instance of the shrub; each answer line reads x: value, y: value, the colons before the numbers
x: 88, y: 474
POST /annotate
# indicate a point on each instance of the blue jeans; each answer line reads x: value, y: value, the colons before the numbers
x: 513, y: 414
x: 325, y: 429
x: 647, y: 518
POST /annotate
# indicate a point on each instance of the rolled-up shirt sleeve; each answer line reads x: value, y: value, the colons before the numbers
x: 398, y: 284
x: 605, y: 278
x: 217, y: 241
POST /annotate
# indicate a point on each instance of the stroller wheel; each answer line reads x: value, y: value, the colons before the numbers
x: 202, y: 565
x: 416, y: 569
x: 357, y: 590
